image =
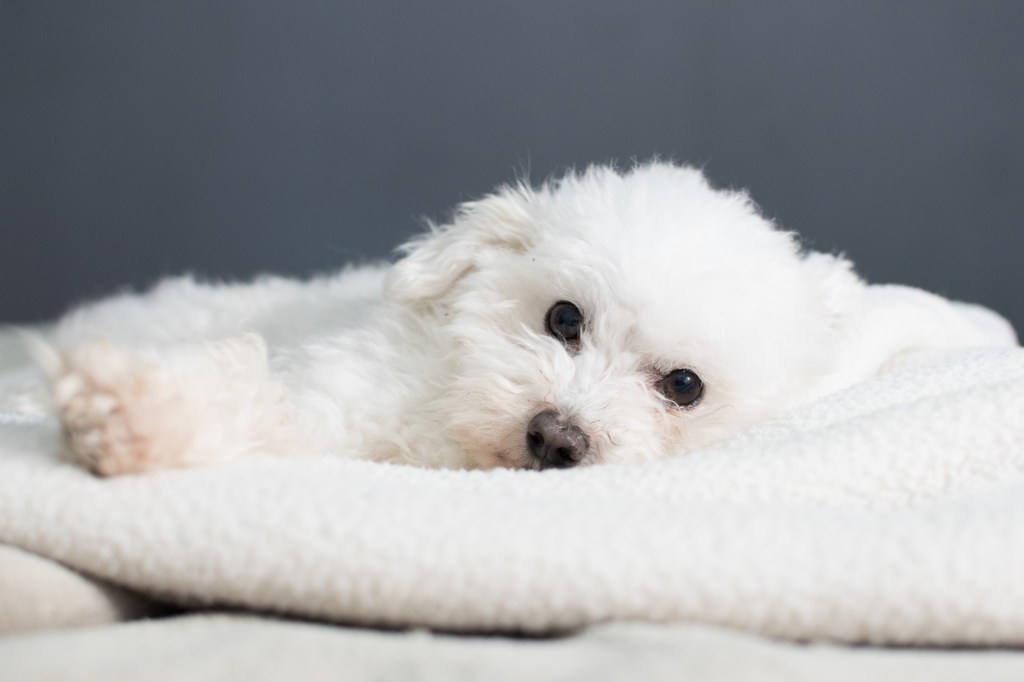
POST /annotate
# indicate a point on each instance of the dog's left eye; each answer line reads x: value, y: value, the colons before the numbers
x: 683, y: 387
x: 564, y: 321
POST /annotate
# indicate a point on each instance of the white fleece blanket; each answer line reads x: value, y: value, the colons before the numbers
x: 892, y: 512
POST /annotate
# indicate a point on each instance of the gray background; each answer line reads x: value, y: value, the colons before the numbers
x: 145, y: 138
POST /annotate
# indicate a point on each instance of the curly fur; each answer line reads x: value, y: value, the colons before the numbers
x: 442, y: 359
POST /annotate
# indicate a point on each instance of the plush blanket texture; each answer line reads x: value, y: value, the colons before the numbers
x: 892, y: 512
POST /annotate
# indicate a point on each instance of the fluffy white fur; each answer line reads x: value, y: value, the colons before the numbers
x: 442, y: 359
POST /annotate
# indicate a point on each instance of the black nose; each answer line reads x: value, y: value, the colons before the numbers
x: 555, y: 441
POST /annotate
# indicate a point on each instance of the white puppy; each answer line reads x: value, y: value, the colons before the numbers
x: 604, y: 317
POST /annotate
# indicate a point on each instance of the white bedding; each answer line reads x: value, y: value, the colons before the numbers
x: 233, y: 648
x: 892, y: 512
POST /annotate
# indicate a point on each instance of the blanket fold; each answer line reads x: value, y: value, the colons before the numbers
x: 892, y: 512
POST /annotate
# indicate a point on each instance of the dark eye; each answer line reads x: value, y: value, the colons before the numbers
x: 683, y: 387
x: 565, y: 322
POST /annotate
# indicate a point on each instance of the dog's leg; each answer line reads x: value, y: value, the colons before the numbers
x: 128, y: 410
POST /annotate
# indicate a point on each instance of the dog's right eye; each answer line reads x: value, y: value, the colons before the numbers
x: 683, y: 387
x: 564, y: 321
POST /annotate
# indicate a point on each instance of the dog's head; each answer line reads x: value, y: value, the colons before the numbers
x: 619, y: 317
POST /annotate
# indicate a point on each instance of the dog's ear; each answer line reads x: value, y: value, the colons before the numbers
x: 435, y: 261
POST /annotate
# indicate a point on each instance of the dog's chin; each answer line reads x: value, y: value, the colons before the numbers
x: 504, y: 459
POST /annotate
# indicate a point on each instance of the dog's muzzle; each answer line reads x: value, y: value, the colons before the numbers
x: 555, y: 441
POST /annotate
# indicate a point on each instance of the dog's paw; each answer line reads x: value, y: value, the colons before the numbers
x: 120, y: 412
